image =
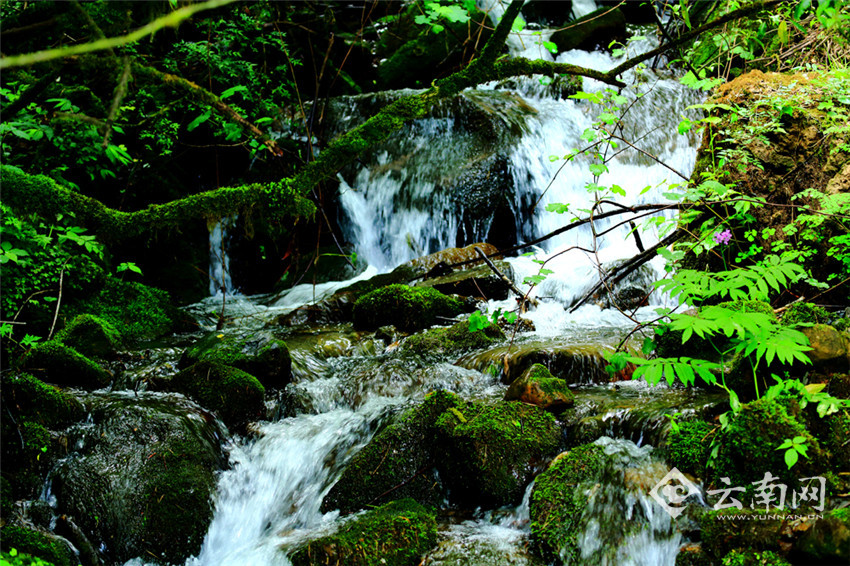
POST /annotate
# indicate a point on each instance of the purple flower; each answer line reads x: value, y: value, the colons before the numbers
x: 723, y: 237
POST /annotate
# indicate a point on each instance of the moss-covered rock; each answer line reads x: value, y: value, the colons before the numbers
x: 396, y: 534
x: 488, y: 452
x: 135, y: 310
x: 748, y: 446
x: 538, y: 387
x: 258, y: 353
x: 453, y: 340
x: 828, y: 540
x: 38, y: 544
x: 693, y: 555
x: 62, y: 365
x: 234, y: 395
x: 729, y: 529
x: 31, y: 399
x: 407, y: 308
x: 143, y: 481
x: 479, y: 282
x: 688, y: 446
x: 806, y: 313
x: 557, y: 501
x: 397, y: 462
x: 833, y: 431
x: 91, y: 336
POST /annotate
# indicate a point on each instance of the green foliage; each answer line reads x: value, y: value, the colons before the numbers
x: 42, y: 549
x: 794, y: 448
x: 434, y: 12
x: 754, y: 558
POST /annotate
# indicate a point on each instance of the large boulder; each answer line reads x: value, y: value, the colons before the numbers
x: 478, y: 282
x: 830, y: 349
x: 398, y: 462
x: 488, y: 452
x: 396, y: 534
x: 235, y: 396
x: 538, y: 387
x: 547, y: 13
x: 558, y: 499
x: 54, y: 362
x: 142, y: 481
x: 258, y: 353
x: 407, y: 308
x: 596, y: 29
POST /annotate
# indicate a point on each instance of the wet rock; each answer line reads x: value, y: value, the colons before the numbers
x: 453, y: 340
x: 258, y: 353
x: 407, y: 308
x: 54, y: 362
x: 451, y: 257
x: 597, y: 29
x: 235, y: 396
x: 547, y: 13
x: 142, y: 481
x: 538, y: 387
x: 693, y: 555
x: 633, y: 12
x: 478, y: 282
x: 574, y: 363
x: 830, y: 348
x: 557, y: 501
x: 33, y: 400
x: 398, y: 462
x: 828, y: 539
x: 488, y: 453
x: 396, y: 534
x: 91, y: 336
x: 628, y: 294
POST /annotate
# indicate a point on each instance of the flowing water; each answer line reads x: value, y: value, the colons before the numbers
x: 420, y: 194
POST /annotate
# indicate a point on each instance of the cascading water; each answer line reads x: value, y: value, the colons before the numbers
x: 219, y: 271
x: 430, y: 190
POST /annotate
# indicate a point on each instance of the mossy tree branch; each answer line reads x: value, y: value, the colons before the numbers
x: 288, y: 196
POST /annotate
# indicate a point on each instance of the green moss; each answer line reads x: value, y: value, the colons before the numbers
x: 747, y: 448
x: 396, y: 534
x: 488, y: 452
x: 259, y: 354
x: 754, y: 558
x: 833, y: 431
x: 38, y: 544
x: 805, y: 313
x: 688, y: 447
x: 397, y: 462
x: 57, y: 363
x: 235, y: 396
x: 91, y: 336
x: 740, y: 528
x: 452, y: 340
x: 407, y: 308
x: 135, y: 310
x: 31, y: 399
x: 557, y: 501
x: 539, y: 387
x: 41, y: 195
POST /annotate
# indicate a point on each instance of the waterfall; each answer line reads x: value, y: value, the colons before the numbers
x: 435, y: 185
x: 219, y: 271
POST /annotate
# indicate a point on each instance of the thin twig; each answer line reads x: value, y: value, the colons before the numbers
x: 58, y: 301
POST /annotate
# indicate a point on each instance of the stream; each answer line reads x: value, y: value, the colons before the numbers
x: 421, y: 193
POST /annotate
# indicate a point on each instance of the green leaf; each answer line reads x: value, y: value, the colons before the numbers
x: 791, y: 458
x: 685, y: 126
x: 551, y: 46
x: 199, y: 120
x: 233, y: 90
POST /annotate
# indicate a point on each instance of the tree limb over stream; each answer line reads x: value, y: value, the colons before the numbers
x: 289, y: 196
